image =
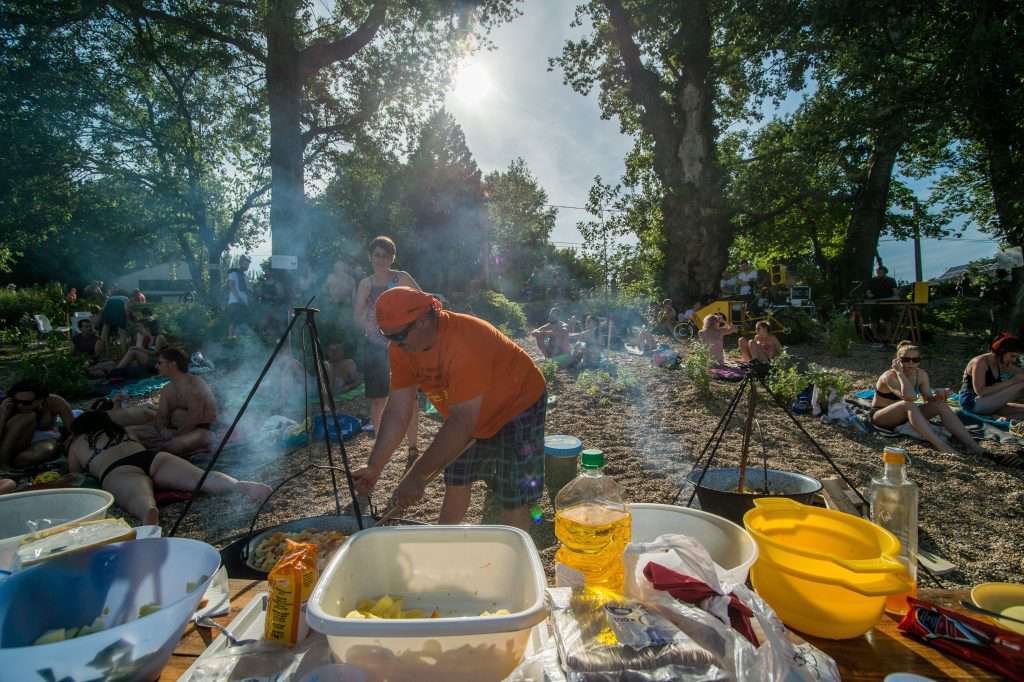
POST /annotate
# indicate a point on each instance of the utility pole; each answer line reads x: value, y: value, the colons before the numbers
x: 918, y: 269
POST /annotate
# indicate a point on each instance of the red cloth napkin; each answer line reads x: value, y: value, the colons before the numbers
x: 692, y: 591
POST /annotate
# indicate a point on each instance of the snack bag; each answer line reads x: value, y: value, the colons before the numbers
x: 291, y: 582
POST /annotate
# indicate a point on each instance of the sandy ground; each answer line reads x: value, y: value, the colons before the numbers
x: 971, y: 510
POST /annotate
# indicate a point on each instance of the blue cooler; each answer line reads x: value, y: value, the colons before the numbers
x: 561, y: 454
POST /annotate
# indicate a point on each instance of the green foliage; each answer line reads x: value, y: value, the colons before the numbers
x: 18, y: 306
x: 826, y: 379
x: 785, y: 379
x: 802, y: 327
x: 549, y: 369
x: 600, y: 386
x: 191, y: 324
x: 956, y: 315
x: 840, y: 332
x: 499, y: 311
x: 697, y: 367
x: 60, y: 371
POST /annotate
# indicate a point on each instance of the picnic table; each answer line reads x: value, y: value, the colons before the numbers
x: 872, y: 656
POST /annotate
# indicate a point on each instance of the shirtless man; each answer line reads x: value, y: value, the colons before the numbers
x: 28, y: 433
x: 713, y: 334
x: 762, y: 348
x: 553, y: 337
x: 186, y: 412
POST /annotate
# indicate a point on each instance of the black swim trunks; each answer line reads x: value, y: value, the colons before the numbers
x: 142, y: 459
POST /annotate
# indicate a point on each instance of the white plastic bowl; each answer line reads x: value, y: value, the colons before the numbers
x: 74, y: 590
x: 457, y: 569
x: 729, y: 545
x: 24, y: 513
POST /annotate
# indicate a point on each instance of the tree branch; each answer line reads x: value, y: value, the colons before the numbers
x: 356, y: 120
x: 322, y: 53
x: 239, y: 215
x: 138, y: 8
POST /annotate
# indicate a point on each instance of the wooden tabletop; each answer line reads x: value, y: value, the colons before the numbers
x: 872, y: 656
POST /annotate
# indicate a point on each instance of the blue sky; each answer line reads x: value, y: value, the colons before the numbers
x: 510, y: 105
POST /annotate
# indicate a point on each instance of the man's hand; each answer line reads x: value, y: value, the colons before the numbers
x: 410, y: 490
x: 7, y: 407
x: 365, y: 479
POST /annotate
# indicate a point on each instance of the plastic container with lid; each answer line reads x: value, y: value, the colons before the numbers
x: 893, y: 499
x: 561, y: 461
x: 593, y: 523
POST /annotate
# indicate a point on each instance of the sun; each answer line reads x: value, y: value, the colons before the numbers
x: 472, y: 84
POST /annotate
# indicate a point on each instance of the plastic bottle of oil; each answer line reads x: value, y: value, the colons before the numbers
x: 593, y: 524
x: 893, y: 500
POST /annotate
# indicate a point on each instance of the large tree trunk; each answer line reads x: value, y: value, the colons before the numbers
x: 869, y: 210
x: 284, y: 91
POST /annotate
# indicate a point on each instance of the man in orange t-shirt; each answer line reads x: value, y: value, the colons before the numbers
x: 490, y: 393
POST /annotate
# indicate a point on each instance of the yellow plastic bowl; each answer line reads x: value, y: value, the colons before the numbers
x: 825, y: 573
x: 1004, y: 598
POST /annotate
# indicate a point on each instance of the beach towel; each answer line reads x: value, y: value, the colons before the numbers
x: 352, y: 393
x: 133, y: 389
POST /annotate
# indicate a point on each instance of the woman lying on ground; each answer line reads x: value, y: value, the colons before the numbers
x: 984, y: 390
x: 129, y: 471
x: 713, y: 335
x: 762, y: 348
x: 894, y: 403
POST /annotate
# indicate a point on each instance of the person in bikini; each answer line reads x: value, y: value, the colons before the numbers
x: 130, y: 471
x: 187, y: 409
x: 896, y: 393
x: 28, y: 425
x: 762, y: 348
x: 376, y: 371
x: 984, y: 389
x: 712, y: 335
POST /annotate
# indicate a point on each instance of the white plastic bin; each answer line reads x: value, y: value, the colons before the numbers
x: 461, y: 571
x: 729, y: 545
x: 28, y: 512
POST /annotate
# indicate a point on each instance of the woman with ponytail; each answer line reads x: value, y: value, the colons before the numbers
x: 994, y: 382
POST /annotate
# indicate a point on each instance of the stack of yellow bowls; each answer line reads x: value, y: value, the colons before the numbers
x: 825, y: 573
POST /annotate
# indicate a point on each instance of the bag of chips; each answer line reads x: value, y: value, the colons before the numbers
x: 291, y: 582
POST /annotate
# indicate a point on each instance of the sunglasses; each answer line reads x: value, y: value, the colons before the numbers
x: 909, y: 359
x: 399, y: 336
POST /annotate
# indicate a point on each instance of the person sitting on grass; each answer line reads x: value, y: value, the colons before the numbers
x: 148, y: 342
x: 665, y: 316
x: 762, y: 348
x: 712, y: 335
x: 28, y: 425
x: 187, y: 409
x: 895, y: 401
x: 128, y: 470
x: 553, y: 338
x: 984, y: 389
x: 586, y: 347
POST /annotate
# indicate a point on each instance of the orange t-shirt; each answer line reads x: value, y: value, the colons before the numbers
x: 471, y: 358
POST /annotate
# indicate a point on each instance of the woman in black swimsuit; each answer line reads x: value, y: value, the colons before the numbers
x: 896, y: 393
x: 985, y: 391
x: 127, y: 469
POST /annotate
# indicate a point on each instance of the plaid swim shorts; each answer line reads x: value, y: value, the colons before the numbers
x: 511, y: 461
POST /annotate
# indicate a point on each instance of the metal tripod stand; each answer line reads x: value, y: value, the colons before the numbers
x: 326, y: 400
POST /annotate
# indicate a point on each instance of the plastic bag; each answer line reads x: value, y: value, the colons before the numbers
x: 708, y: 623
x: 605, y: 637
x: 291, y: 582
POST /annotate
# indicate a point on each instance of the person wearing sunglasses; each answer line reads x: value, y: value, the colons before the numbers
x: 28, y: 425
x: 382, y: 254
x: 895, y: 401
x: 490, y: 393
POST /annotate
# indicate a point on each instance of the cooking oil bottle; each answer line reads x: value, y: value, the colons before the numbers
x: 593, y: 524
x: 893, y: 500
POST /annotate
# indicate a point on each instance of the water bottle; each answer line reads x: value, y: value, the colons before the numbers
x: 593, y: 524
x: 893, y: 499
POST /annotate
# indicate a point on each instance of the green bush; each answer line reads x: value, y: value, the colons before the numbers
x: 956, y: 315
x: 548, y: 369
x: 19, y: 305
x: 61, y: 372
x: 189, y: 323
x: 697, y: 367
x: 785, y: 379
x: 826, y: 379
x: 802, y: 327
x: 599, y: 385
x: 840, y: 332
x: 499, y: 311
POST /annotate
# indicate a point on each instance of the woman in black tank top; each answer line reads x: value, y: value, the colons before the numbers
x: 895, y: 401
x: 984, y: 391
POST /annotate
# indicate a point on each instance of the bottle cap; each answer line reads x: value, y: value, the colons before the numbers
x: 592, y: 459
x: 892, y: 455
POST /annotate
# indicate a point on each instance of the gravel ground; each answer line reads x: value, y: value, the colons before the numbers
x: 971, y: 509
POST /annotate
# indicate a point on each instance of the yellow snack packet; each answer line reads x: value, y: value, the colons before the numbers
x: 291, y: 582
